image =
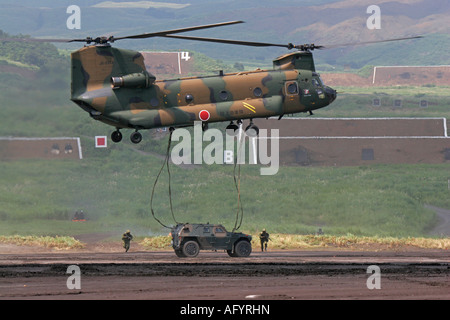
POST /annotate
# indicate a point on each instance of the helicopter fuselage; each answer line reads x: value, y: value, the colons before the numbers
x: 114, y: 87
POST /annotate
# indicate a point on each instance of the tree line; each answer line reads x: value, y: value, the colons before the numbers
x: 37, y: 54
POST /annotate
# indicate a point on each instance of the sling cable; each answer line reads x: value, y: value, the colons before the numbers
x: 165, y: 164
x: 237, y: 182
x: 236, y: 177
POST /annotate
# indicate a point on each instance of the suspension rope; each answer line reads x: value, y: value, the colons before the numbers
x: 237, y: 185
x: 166, y: 163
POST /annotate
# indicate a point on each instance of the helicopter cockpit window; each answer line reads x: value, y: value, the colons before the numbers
x: 320, y: 81
x: 317, y: 82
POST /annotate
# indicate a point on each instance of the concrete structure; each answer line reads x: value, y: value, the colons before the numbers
x: 41, y: 148
x: 361, y: 141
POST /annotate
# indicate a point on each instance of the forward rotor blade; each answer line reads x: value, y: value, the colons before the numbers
x: 40, y: 40
x: 228, y: 41
x: 168, y: 32
x: 368, y: 42
x: 137, y: 36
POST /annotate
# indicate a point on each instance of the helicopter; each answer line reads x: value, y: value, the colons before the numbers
x: 113, y: 86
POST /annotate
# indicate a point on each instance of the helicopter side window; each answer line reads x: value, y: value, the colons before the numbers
x: 292, y: 88
x: 223, y: 95
x: 189, y: 98
x: 257, y: 92
x: 154, y: 102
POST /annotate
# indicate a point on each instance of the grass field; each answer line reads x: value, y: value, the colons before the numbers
x: 348, y: 242
x: 59, y: 243
x: 39, y: 197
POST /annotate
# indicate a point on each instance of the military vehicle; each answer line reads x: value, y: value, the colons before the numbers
x: 114, y: 87
x: 189, y: 238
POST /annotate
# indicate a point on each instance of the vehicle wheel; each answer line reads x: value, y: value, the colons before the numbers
x: 191, y: 249
x: 231, y: 253
x: 242, y: 249
x: 179, y: 253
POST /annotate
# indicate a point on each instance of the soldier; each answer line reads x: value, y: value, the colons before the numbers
x: 126, y: 238
x: 264, y: 238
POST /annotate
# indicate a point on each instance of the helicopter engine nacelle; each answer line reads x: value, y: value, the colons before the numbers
x: 134, y: 80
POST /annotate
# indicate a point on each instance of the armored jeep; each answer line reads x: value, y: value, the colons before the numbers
x: 189, y: 238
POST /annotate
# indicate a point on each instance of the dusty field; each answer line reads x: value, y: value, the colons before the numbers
x: 107, y: 273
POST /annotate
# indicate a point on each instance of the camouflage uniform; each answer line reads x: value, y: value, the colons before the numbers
x: 264, y: 238
x: 126, y: 238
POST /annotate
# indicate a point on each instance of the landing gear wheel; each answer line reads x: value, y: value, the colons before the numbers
x: 191, y: 249
x: 232, y: 129
x: 136, y: 137
x: 116, y: 136
x: 252, y: 130
x: 242, y: 249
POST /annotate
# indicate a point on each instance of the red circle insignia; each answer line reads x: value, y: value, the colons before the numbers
x: 204, y: 115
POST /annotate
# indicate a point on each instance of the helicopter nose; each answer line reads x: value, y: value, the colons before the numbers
x: 331, y: 94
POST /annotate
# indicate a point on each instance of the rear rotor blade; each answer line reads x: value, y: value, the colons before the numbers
x: 303, y: 47
x: 368, y: 42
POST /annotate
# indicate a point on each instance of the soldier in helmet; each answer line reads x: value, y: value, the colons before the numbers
x: 264, y: 238
x: 126, y: 238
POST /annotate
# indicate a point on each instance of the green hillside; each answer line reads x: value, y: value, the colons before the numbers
x: 325, y: 22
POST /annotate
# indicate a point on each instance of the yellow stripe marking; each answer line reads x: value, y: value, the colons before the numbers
x: 249, y: 107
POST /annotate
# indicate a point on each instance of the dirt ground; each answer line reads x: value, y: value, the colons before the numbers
x: 108, y: 273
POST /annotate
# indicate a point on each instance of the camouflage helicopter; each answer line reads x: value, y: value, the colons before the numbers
x: 114, y: 87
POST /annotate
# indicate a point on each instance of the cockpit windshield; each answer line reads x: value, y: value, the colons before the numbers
x: 317, y: 81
